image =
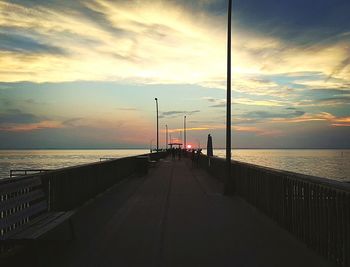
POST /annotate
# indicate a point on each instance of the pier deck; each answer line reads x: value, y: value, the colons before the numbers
x: 177, y: 216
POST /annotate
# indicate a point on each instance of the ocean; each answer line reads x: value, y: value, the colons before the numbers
x: 328, y: 163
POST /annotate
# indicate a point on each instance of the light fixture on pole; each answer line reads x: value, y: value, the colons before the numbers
x: 156, y: 99
x: 185, y: 132
x: 166, y: 136
x: 228, y: 182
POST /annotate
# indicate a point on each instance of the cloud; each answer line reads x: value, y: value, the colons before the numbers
x: 260, y: 86
x: 341, y: 66
x: 73, y: 122
x: 215, y: 103
x: 121, y: 43
x: 252, y: 102
x: 259, y: 114
x: 320, y: 83
x: 17, y: 116
x: 104, y: 40
x: 24, y: 127
x: 24, y: 44
x: 258, y: 131
x: 128, y: 109
x: 323, y: 102
x: 322, y: 116
x: 220, y: 103
x: 177, y: 113
x: 190, y: 129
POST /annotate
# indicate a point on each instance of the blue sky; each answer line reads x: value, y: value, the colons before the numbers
x: 84, y: 74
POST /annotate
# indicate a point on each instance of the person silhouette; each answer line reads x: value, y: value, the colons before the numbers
x: 173, y: 152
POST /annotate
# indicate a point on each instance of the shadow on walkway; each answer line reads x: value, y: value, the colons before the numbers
x: 177, y: 216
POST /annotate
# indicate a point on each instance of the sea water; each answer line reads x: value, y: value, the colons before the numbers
x: 327, y: 163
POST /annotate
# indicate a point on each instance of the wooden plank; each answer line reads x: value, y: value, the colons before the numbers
x: 43, y: 226
x: 21, y: 228
x: 21, y: 199
x: 16, y: 185
x: 49, y: 225
x: 27, y: 212
x: 29, y: 230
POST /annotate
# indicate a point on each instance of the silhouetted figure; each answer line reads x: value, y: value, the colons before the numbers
x: 209, y: 146
x: 193, y: 155
x: 179, y: 153
x: 173, y: 152
x: 198, y: 153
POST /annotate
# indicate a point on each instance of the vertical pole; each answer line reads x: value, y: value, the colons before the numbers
x: 228, y: 183
x: 185, y: 132
x: 157, y: 124
x: 166, y: 136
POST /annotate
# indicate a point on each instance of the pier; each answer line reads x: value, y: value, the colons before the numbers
x: 130, y: 212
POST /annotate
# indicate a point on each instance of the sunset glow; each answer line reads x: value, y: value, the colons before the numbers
x: 85, y: 73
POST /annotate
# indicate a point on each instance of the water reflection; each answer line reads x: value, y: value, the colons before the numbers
x: 328, y: 163
x: 333, y: 164
x: 53, y: 159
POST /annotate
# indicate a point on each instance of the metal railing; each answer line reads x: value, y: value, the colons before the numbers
x: 64, y: 189
x: 103, y: 159
x: 23, y: 172
x: 315, y: 210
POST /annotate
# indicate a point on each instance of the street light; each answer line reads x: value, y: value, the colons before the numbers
x: 228, y: 183
x: 185, y: 132
x: 156, y: 99
x: 166, y: 136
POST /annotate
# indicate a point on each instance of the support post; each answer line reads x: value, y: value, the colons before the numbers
x: 166, y: 136
x: 229, y: 188
x: 156, y: 99
x: 185, y: 146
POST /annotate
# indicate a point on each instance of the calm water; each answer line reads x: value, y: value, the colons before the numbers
x: 332, y: 164
x: 327, y: 163
x: 53, y: 159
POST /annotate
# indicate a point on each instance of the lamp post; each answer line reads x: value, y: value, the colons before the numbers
x: 228, y: 183
x: 156, y: 99
x: 166, y: 136
x: 185, y: 132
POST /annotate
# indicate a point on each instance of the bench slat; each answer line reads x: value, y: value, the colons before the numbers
x: 44, y: 226
x: 18, y: 216
x: 21, y: 228
x: 21, y: 199
x: 17, y: 185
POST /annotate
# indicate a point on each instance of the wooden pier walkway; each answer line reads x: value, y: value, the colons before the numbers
x: 176, y: 216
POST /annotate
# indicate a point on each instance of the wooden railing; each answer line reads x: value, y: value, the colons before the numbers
x: 24, y: 172
x: 64, y: 189
x: 315, y: 210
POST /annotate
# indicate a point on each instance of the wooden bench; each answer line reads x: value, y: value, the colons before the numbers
x: 24, y: 212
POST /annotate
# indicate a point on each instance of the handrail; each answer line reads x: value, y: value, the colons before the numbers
x: 67, y: 188
x: 102, y: 159
x: 316, y: 210
x: 23, y: 172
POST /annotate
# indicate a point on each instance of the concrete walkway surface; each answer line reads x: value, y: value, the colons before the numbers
x: 177, y: 216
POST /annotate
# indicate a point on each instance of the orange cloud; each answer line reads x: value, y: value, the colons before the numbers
x: 323, y: 116
x: 177, y: 130
x: 31, y: 126
x: 256, y: 130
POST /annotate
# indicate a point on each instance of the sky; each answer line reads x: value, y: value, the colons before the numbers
x: 84, y: 74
